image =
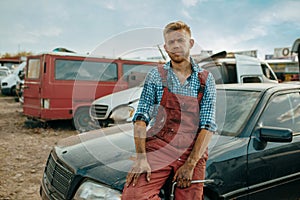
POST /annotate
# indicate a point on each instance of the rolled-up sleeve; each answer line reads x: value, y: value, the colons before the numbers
x: 208, y: 106
x: 147, y: 98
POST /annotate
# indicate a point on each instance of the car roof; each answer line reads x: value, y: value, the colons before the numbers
x: 257, y: 86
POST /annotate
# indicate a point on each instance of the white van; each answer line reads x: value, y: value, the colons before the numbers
x: 237, y: 68
x: 8, y: 84
x: 120, y: 107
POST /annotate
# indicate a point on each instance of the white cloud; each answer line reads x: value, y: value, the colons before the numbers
x: 46, y: 32
x: 186, y: 14
x: 189, y: 3
x: 281, y: 12
x: 109, y: 5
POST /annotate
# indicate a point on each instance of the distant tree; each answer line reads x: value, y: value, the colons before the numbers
x: 24, y: 53
x: 6, y: 55
x: 19, y: 54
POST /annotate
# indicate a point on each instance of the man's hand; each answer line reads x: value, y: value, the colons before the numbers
x: 184, y: 175
x: 141, y: 164
x: 139, y: 167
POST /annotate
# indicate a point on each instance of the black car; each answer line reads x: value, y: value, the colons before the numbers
x: 254, y: 155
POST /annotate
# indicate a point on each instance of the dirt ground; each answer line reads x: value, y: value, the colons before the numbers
x: 24, y: 151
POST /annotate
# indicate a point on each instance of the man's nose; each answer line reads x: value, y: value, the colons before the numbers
x: 175, y: 45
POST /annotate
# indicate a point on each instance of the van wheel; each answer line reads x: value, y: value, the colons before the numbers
x: 82, y: 120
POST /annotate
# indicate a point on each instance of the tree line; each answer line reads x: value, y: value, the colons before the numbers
x: 19, y: 54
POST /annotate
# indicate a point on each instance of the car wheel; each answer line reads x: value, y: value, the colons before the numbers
x: 13, y: 91
x: 82, y: 120
x: 206, y: 198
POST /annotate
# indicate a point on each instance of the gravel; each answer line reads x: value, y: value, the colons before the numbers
x: 24, y: 151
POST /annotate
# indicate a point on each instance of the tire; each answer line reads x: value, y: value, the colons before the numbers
x: 82, y: 120
x: 13, y: 91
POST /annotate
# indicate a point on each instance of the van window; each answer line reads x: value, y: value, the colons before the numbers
x: 268, y: 72
x: 229, y: 73
x: 251, y: 79
x: 33, y: 71
x: 85, y: 70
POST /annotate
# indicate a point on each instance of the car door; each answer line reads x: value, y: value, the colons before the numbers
x: 273, y: 167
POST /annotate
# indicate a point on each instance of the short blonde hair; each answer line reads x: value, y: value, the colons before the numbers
x: 175, y: 26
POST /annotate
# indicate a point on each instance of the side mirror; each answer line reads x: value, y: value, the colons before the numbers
x: 276, y: 134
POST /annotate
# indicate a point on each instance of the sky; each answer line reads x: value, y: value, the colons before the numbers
x: 124, y: 27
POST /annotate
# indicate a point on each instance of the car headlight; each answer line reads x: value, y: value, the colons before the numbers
x: 122, y: 113
x: 92, y: 191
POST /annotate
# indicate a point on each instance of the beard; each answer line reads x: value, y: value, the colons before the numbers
x: 178, y: 58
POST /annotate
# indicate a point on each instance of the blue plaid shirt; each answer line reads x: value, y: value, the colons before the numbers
x: 153, y: 91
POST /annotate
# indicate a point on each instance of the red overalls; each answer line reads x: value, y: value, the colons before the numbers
x: 169, y: 143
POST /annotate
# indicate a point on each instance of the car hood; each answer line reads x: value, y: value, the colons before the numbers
x: 118, y: 98
x: 111, y: 150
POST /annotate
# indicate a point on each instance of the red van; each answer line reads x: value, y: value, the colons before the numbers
x: 62, y: 86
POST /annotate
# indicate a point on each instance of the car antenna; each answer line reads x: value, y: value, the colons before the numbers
x: 161, y: 52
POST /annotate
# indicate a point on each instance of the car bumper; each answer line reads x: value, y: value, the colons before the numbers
x: 5, y: 91
x: 47, y: 192
x: 43, y: 193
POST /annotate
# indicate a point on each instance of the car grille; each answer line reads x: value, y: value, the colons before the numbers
x: 58, y: 177
x: 98, y: 111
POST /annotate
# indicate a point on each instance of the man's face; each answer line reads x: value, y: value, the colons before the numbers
x: 178, y: 45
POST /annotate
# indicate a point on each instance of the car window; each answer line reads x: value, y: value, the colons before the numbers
x: 283, y: 111
x: 3, y: 73
x: 233, y: 110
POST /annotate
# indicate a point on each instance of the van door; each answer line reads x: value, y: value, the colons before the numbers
x: 32, y: 87
x: 248, y: 69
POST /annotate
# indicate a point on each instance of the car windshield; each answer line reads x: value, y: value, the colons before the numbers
x: 3, y: 73
x: 233, y: 110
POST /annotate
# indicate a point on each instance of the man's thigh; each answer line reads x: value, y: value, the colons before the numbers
x: 147, y: 190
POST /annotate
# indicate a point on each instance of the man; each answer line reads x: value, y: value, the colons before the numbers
x: 181, y: 98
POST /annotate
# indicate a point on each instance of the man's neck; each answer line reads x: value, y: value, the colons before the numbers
x: 182, y: 67
x: 182, y: 70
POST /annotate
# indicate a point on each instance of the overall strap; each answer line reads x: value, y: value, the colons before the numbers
x: 163, y: 74
x: 202, y: 76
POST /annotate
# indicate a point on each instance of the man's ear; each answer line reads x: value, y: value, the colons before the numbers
x: 192, y: 43
x: 165, y: 47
